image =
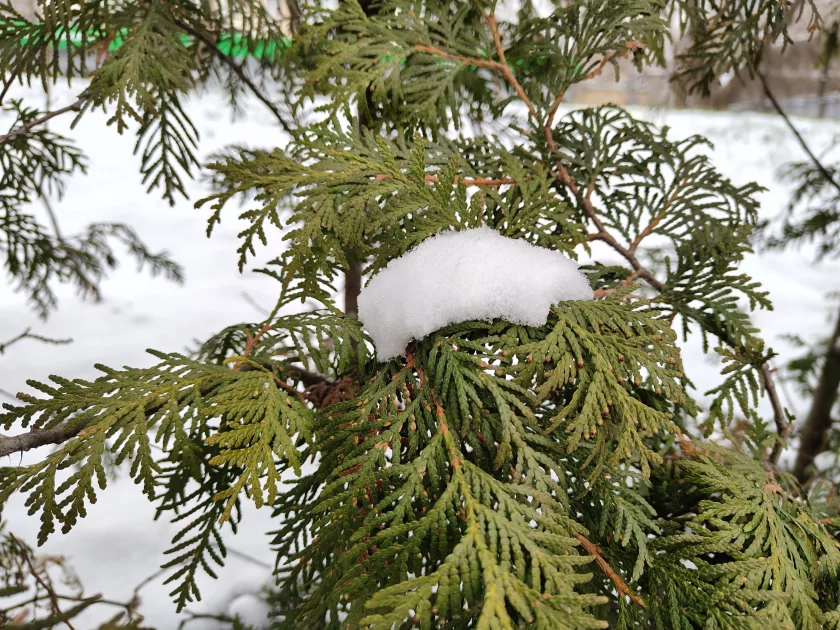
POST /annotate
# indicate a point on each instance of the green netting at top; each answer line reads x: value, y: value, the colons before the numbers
x: 232, y: 44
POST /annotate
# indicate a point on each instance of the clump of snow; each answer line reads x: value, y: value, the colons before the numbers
x: 454, y: 277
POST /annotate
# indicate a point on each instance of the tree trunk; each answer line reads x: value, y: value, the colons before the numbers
x: 817, y: 424
x: 821, y: 89
x: 352, y: 288
x: 353, y: 275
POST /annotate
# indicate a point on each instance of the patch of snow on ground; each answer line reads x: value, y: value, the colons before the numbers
x: 455, y: 277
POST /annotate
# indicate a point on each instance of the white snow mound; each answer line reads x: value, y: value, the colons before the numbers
x: 454, y: 277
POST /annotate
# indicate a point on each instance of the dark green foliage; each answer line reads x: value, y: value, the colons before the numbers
x: 813, y: 215
x: 32, y: 166
x: 454, y: 454
x: 419, y: 63
x: 732, y: 37
x: 499, y: 475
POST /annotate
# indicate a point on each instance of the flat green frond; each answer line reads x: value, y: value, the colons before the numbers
x: 576, y: 42
x: 27, y: 47
x: 256, y: 423
x: 151, y: 64
x: 588, y: 368
x: 748, y: 508
x: 318, y: 340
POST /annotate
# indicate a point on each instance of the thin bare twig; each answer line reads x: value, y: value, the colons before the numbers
x: 47, y: 587
x: 239, y: 71
x: 12, y: 77
x: 23, y: 129
x: 257, y: 306
x: 248, y: 558
x: 26, y: 334
x: 820, y: 167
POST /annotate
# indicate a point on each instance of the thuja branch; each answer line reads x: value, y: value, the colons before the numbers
x: 783, y: 426
x: 24, y: 129
x: 819, y: 421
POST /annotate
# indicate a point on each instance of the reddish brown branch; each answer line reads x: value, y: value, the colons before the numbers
x: 251, y: 343
x: 597, y: 71
x: 500, y: 66
x: 507, y: 73
x: 38, y: 578
x: 467, y: 61
x: 620, y: 585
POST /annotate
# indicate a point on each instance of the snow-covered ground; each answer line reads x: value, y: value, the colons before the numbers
x: 118, y: 545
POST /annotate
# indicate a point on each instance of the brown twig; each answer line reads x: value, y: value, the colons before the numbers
x: 253, y: 340
x: 23, y: 129
x: 352, y: 288
x: 814, y: 159
x: 283, y: 384
x: 783, y: 426
x: 549, y: 121
x: 467, y: 61
x: 507, y: 73
x: 597, y: 294
x: 39, y: 437
x: 498, y: 66
x: 49, y: 590
x: 650, y: 227
x: 620, y: 585
x: 597, y: 71
x: 7, y: 85
x: 818, y: 422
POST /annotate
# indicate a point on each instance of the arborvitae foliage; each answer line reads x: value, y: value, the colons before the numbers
x: 497, y: 476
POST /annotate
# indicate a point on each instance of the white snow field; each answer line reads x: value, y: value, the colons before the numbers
x: 118, y: 545
x: 461, y: 276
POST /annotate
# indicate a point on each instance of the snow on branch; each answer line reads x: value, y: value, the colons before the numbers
x: 454, y: 277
